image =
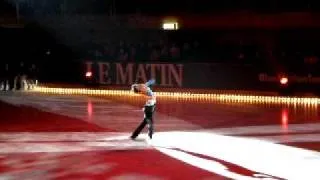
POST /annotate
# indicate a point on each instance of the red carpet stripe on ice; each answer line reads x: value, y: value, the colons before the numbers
x: 28, y: 119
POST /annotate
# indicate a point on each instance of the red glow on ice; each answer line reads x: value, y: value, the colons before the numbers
x: 89, y: 109
x: 284, y: 118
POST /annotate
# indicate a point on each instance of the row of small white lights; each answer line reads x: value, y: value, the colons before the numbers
x: 182, y: 95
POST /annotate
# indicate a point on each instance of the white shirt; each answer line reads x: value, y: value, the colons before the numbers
x: 151, y: 97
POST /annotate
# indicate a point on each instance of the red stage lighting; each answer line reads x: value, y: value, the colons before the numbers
x: 88, y: 74
x: 284, y: 80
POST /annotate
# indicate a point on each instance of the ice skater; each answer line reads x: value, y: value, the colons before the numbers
x: 149, y: 107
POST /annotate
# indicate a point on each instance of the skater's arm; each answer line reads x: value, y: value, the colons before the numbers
x: 150, y: 82
x: 137, y: 88
x: 143, y: 88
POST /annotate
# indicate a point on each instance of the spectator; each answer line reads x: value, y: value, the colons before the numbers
x: 4, y: 77
x: 20, y: 80
x: 32, y: 77
x: 175, y: 52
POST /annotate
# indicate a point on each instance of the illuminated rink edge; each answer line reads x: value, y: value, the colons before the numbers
x: 240, y: 98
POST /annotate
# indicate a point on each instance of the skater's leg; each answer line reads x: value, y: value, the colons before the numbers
x: 150, y: 127
x: 139, y: 129
x: 149, y: 119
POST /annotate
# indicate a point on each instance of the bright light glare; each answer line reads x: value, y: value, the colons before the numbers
x: 88, y: 74
x: 170, y: 26
x: 256, y: 155
x: 284, y: 80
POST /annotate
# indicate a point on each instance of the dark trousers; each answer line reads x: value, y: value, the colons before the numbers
x: 148, y: 119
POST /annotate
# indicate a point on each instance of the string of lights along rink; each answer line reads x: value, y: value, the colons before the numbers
x: 185, y: 96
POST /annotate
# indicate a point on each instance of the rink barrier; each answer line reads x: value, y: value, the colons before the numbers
x: 218, y: 76
x: 225, y: 97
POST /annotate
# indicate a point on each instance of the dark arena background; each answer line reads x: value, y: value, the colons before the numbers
x: 237, y: 86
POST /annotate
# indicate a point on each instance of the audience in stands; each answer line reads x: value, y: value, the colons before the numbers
x: 199, y: 47
x: 209, y: 48
x: 18, y: 77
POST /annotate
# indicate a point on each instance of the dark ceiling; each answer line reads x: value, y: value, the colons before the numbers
x: 157, y: 7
